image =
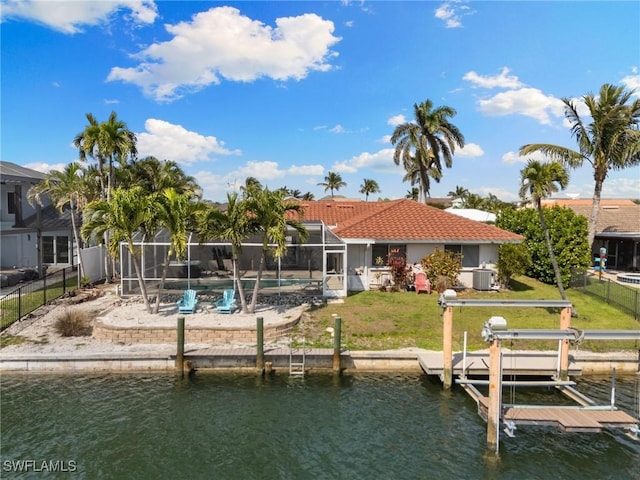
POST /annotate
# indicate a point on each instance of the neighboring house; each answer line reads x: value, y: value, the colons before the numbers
x: 617, y: 230
x: 473, y: 214
x: 30, y: 236
x: 370, y: 230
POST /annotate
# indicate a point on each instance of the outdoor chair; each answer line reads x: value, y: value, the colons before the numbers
x: 226, y: 304
x: 188, y: 302
x: 422, y: 283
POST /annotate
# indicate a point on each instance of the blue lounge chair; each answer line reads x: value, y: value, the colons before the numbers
x: 226, y: 304
x: 188, y: 302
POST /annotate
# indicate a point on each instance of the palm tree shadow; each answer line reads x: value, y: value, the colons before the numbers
x: 517, y: 286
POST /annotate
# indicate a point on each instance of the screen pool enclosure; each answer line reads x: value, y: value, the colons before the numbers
x: 315, y: 267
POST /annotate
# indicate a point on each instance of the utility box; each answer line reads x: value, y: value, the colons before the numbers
x: 482, y: 279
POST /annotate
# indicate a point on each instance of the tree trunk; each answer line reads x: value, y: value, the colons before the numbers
x: 595, y: 210
x: 165, y: 269
x: 236, y: 277
x: 256, y: 287
x: 552, y: 257
x: 143, y: 287
x: 77, y: 241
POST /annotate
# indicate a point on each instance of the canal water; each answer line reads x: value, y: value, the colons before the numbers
x: 241, y: 426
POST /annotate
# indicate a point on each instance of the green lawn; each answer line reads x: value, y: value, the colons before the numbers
x: 382, y: 320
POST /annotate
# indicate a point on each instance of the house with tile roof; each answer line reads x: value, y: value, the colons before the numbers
x: 617, y: 229
x: 370, y: 230
x: 30, y: 236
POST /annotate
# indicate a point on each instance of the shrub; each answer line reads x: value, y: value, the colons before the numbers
x: 73, y: 323
x: 398, y: 264
x: 442, y: 264
x: 513, y: 259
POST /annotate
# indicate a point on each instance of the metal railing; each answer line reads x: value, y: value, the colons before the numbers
x: 29, y: 296
x: 620, y: 296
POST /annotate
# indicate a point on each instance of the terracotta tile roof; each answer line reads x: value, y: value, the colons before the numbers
x: 616, y: 215
x: 402, y: 220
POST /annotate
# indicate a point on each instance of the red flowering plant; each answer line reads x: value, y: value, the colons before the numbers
x: 397, y: 262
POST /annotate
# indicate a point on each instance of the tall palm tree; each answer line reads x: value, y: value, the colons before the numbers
x: 428, y: 141
x: 308, y: 196
x: 176, y: 212
x: 333, y: 181
x: 64, y: 189
x: 369, y: 186
x: 250, y: 184
x: 537, y: 181
x: 88, y: 147
x: 129, y: 211
x: 234, y: 225
x: 611, y: 141
x: 273, y: 215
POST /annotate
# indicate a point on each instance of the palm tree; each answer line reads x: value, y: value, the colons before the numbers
x: 333, y: 181
x: 611, y: 141
x: 233, y: 225
x: 87, y: 144
x: 413, y: 194
x: 176, y: 212
x: 250, y: 184
x: 308, y: 197
x: 459, y: 193
x: 369, y: 186
x: 129, y: 211
x: 64, y: 189
x: 273, y: 215
x: 427, y: 142
x: 539, y: 180
x: 157, y: 175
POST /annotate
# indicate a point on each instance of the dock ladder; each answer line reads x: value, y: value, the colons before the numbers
x: 297, y: 358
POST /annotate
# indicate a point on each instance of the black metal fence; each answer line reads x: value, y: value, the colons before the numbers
x: 29, y: 296
x: 620, y: 296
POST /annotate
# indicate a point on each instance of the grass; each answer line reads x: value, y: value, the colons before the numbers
x: 73, y: 323
x: 383, y: 320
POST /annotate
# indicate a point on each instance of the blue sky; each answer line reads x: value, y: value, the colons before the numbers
x: 288, y: 91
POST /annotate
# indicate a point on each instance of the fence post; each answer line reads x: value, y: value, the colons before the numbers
x: 635, y: 308
x: 44, y: 289
x: 608, y: 291
x: 64, y: 280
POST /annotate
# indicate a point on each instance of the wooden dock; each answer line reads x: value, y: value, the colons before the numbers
x: 543, y: 364
x: 566, y: 418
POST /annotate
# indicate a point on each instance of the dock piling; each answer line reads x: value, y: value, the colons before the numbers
x: 337, y: 334
x: 260, y: 347
x: 180, y: 346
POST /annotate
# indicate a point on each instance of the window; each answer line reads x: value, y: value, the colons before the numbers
x: 470, y: 254
x: 55, y: 249
x: 381, y: 250
x: 11, y: 202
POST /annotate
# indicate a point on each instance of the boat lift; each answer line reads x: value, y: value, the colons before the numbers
x: 586, y: 417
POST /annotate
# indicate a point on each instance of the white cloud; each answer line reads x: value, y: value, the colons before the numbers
x: 502, y: 80
x: 381, y: 161
x: 337, y: 129
x: 632, y: 82
x: 45, y: 167
x: 513, y: 158
x: 620, y: 187
x: 451, y: 13
x: 69, y: 17
x: 263, y: 171
x: 470, y: 150
x: 385, y: 139
x: 222, y: 43
x: 305, y: 170
x: 167, y: 141
x: 529, y: 102
x: 396, y: 120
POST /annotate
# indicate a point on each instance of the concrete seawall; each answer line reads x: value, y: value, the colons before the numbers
x: 239, y: 359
